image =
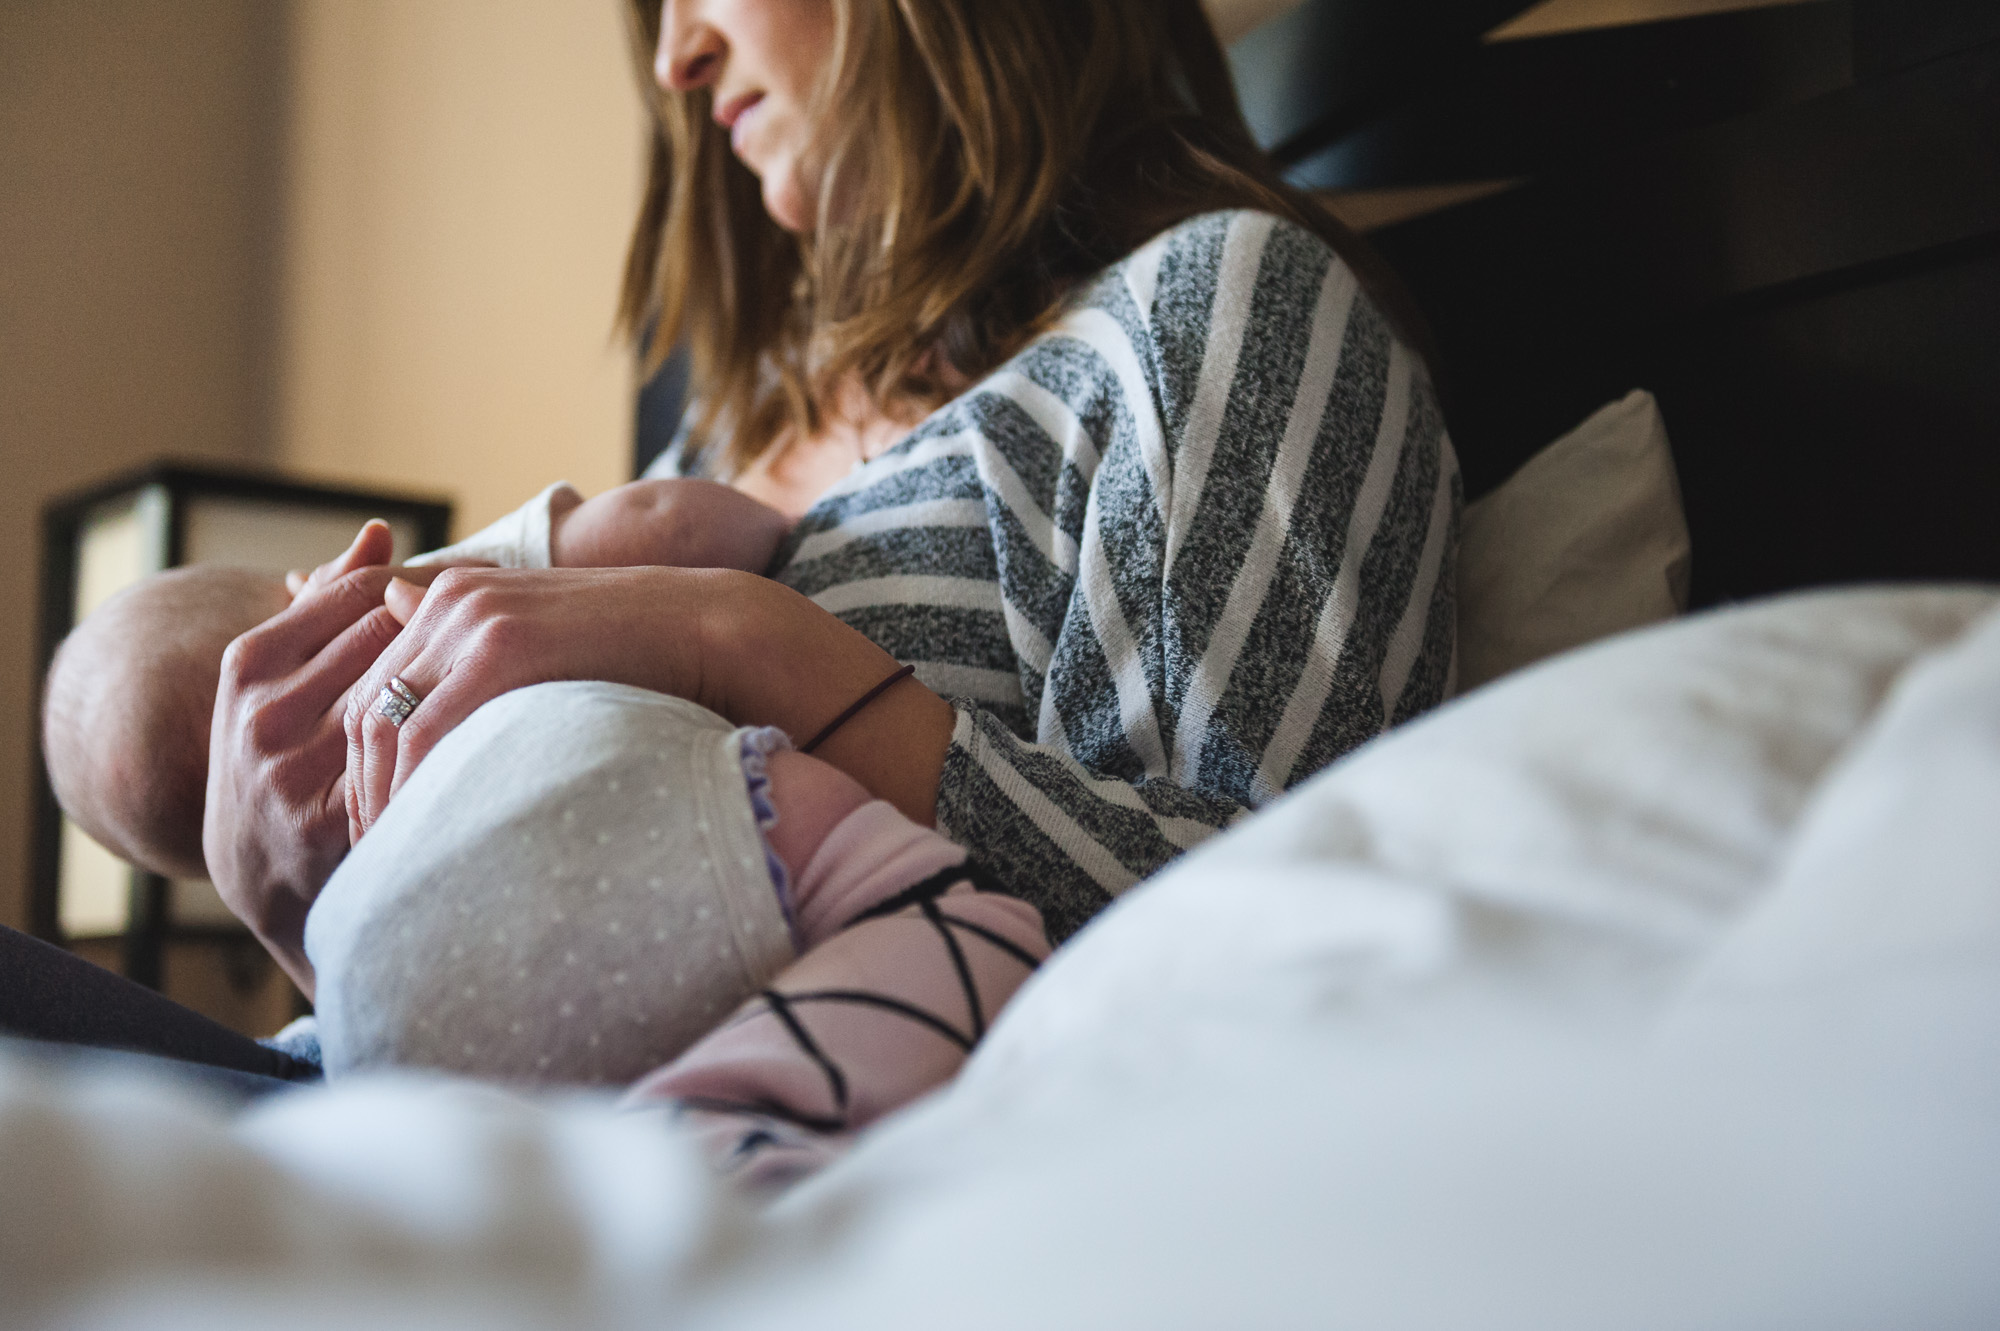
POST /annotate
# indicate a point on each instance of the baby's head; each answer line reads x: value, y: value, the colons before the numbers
x: 131, y: 693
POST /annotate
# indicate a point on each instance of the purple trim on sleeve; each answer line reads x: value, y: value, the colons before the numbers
x: 757, y: 747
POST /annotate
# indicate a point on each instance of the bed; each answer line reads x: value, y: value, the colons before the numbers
x: 1654, y: 985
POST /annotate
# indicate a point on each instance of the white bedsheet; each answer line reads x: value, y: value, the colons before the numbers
x: 1656, y: 987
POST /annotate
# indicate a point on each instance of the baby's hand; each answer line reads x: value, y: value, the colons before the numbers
x: 678, y: 522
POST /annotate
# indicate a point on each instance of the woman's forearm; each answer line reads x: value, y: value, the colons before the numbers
x: 772, y: 657
x: 751, y: 649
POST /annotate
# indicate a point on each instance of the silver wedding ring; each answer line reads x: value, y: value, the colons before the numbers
x: 396, y: 701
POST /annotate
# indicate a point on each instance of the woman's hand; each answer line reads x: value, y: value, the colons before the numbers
x: 753, y: 650
x: 275, y: 823
x: 298, y: 581
x: 375, y: 544
x: 475, y: 634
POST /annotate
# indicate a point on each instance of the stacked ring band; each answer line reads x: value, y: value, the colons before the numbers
x: 396, y: 701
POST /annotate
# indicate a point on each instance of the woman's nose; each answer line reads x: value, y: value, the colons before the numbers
x: 691, y: 50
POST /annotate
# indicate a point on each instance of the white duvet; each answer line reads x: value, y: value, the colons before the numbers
x: 1656, y: 987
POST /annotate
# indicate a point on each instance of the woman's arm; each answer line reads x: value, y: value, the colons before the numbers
x: 750, y: 649
x: 301, y: 763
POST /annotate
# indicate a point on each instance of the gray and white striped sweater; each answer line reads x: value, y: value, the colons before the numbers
x: 1178, y: 554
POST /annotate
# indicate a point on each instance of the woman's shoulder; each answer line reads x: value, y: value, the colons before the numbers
x: 1256, y: 269
x: 1240, y: 259
x: 1146, y: 325
x: 1232, y: 247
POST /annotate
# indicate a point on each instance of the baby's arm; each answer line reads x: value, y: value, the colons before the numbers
x: 680, y: 522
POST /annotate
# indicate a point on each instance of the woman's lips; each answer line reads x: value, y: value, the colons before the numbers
x: 734, y: 114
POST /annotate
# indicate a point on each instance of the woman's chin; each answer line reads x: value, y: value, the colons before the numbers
x: 787, y: 203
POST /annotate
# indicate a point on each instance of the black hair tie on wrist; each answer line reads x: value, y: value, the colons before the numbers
x: 859, y: 703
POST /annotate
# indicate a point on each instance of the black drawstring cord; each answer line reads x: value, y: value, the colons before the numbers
x: 836, y: 1079
x: 924, y: 896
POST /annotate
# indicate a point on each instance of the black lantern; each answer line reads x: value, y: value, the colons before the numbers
x: 102, y: 540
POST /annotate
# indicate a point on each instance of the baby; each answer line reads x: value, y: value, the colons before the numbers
x: 587, y: 883
x: 472, y: 930
x: 131, y: 691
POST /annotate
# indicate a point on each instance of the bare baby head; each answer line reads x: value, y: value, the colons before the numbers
x: 130, y: 696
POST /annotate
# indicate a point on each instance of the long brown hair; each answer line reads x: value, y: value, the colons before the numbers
x: 978, y: 159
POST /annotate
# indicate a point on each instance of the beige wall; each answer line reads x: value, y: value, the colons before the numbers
x: 463, y: 177
x: 138, y: 193
x: 375, y: 240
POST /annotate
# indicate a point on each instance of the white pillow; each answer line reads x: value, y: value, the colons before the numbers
x: 1895, y: 869
x: 1587, y: 539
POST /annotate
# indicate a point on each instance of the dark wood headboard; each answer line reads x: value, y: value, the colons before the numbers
x: 1785, y: 222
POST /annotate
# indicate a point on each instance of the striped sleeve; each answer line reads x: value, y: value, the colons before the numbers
x: 1187, y: 549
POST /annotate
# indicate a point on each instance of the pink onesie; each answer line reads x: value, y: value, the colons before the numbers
x: 903, y: 962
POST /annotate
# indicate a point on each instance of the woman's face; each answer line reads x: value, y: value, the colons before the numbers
x: 761, y: 61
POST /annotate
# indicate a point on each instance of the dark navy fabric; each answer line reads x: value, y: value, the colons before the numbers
x: 52, y: 996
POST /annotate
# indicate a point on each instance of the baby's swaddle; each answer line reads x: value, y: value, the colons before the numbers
x: 521, y: 539
x: 571, y: 888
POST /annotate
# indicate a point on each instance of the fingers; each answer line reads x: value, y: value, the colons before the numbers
x: 375, y: 749
x: 341, y: 663
x: 474, y: 635
x: 350, y: 794
x: 294, y: 636
x: 371, y: 738
x: 382, y: 756
x: 378, y: 749
x: 405, y: 593
x: 453, y: 696
x: 403, y: 598
x: 455, y: 655
x: 373, y: 545
x: 371, y: 765
x: 424, y: 575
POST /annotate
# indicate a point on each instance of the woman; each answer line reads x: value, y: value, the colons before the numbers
x: 1080, y: 411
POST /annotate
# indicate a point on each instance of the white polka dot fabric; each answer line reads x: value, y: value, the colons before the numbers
x: 572, y: 888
